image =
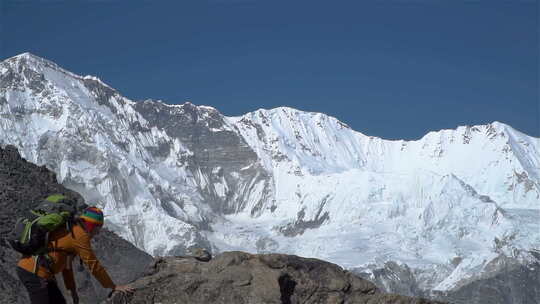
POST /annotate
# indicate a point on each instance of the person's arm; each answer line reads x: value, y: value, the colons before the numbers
x: 83, y: 247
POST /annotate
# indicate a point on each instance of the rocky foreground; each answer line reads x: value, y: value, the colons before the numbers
x: 242, y: 278
x: 232, y: 277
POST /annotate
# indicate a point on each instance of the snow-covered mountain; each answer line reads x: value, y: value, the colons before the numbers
x: 442, y: 210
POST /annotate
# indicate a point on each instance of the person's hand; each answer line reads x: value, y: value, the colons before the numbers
x: 75, y: 296
x: 124, y: 289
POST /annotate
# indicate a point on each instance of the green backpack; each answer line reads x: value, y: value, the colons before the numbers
x: 30, y: 235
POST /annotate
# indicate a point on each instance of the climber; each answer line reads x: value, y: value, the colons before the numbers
x: 63, y: 245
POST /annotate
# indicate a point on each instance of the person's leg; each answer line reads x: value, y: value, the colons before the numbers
x: 37, y: 287
x: 55, y: 295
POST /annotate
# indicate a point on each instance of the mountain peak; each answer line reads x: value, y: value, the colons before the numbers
x: 24, y: 55
x: 501, y: 127
x: 28, y: 57
x: 282, y: 109
x: 188, y: 105
x: 40, y: 65
x: 35, y: 63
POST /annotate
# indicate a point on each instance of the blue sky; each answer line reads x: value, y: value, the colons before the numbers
x: 394, y: 69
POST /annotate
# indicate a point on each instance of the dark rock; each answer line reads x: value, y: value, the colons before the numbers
x: 301, y: 225
x: 395, y: 278
x: 22, y: 186
x: 201, y: 254
x: 505, y: 280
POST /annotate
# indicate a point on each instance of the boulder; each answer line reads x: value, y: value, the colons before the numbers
x: 243, y: 278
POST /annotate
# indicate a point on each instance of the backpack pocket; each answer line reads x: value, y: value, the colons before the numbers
x: 27, y: 237
x: 51, y: 221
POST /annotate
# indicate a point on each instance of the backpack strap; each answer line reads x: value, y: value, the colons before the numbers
x: 36, y: 261
x: 45, y: 254
x: 38, y: 256
x: 69, y: 227
x: 28, y: 230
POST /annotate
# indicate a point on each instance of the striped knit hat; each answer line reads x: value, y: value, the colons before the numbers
x: 92, y: 217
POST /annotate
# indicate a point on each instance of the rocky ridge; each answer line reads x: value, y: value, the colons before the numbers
x: 242, y: 278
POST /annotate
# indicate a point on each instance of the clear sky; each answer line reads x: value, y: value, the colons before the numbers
x: 394, y: 69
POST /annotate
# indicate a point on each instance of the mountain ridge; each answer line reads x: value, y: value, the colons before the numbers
x: 284, y: 180
x: 40, y: 60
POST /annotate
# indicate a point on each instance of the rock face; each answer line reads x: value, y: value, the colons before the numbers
x: 242, y: 278
x: 22, y: 186
x: 505, y: 280
x: 395, y: 278
x: 508, y: 282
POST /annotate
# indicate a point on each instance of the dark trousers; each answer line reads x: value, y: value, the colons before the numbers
x: 41, y: 291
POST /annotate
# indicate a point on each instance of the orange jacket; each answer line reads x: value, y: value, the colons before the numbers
x: 68, y: 246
